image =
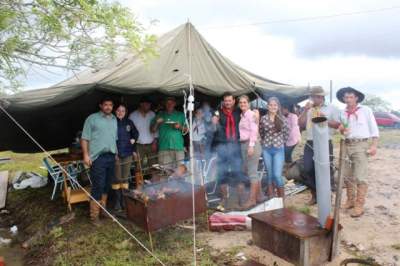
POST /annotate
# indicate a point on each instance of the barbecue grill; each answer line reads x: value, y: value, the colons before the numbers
x: 164, y: 204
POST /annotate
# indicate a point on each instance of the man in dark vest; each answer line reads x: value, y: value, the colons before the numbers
x: 226, y: 121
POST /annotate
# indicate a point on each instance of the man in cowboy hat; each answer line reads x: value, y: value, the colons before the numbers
x: 358, y: 125
x: 317, y: 107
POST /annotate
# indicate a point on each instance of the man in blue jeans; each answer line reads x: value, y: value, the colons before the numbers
x: 229, y: 161
x: 99, y: 147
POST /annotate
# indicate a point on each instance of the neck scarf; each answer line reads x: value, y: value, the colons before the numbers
x: 230, y: 129
x: 352, y: 112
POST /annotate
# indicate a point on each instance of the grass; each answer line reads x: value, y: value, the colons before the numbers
x: 79, y: 243
x: 303, y: 209
x: 28, y: 162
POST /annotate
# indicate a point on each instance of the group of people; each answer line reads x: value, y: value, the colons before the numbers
x: 237, y: 134
x: 111, y: 142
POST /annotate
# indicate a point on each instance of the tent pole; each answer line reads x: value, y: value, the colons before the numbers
x: 191, y: 151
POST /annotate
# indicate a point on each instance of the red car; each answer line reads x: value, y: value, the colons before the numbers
x: 385, y: 119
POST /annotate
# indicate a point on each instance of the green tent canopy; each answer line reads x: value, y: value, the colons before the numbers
x: 54, y: 115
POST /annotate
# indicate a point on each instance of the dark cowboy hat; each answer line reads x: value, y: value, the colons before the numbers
x: 340, y: 94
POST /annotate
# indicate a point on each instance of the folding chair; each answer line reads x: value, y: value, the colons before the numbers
x: 58, y: 177
x: 56, y: 174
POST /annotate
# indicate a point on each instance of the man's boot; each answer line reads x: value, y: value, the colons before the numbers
x: 350, y: 195
x: 252, y: 200
x: 313, y: 199
x: 358, y: 209
x: 224, y: 197
x: 103, y: 202
x: 94, y: 213
x: 260, y: 194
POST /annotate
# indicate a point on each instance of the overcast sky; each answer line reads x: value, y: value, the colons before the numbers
x: 361, y: 50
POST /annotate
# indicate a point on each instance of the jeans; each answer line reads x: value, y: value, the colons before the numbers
x: 102, y: 172
x: 274, y: 159
x: 229, y: 163
x: 288, y: 153
x: 309, y: 167
x: 208, y: 149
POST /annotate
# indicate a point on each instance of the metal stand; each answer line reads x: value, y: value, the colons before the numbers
x: 336, y: 217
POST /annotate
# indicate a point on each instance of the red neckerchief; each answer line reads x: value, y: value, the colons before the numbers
x: 352, y: 112
x: 230, y: 129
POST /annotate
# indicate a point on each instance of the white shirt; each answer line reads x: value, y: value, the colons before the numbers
x: 362, y: 124
x: 142, y: 124
x: 199, y: 130
x: 330, y: 111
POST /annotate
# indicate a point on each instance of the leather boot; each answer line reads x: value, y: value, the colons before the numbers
x: 252, y: 200
x: 350, y: 195
x: 270, y: 191
x: 313, y: 199
x: 103, y: 202
x: 94, y: 213
x: 240, y: 189
x: 224, y: 198
x: 358, y: 209
x: 260, y: 193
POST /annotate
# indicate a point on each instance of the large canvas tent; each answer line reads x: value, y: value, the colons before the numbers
x: 54, y: 115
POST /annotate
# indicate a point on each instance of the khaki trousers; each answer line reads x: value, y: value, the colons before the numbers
x: 356, y: 165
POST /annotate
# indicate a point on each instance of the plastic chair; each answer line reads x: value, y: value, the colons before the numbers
x: 56, y: 174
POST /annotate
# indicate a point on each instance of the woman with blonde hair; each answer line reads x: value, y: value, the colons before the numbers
x: 274, y: 134
x: 250, y: 149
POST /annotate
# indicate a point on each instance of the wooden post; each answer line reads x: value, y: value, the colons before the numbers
x: 336, y: 217
x: 3, y: 188
x: 151, y: 242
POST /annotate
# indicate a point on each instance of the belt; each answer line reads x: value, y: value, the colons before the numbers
x: 350, y: 141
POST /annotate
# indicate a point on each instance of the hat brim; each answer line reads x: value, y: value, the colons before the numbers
x: 340, y: 94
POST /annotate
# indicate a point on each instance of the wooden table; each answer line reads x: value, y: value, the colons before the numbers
x: 293, y: 236
x: 71, y: 195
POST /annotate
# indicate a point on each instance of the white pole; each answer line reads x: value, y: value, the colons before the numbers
x: 191, y: 152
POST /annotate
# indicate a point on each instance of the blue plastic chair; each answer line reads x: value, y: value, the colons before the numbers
x: 57, y: 174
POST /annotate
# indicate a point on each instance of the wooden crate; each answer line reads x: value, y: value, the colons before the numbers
x: 293, y: 236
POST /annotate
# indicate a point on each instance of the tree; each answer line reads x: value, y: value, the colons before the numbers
x: 68, y: 34
x: 376, y: 103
